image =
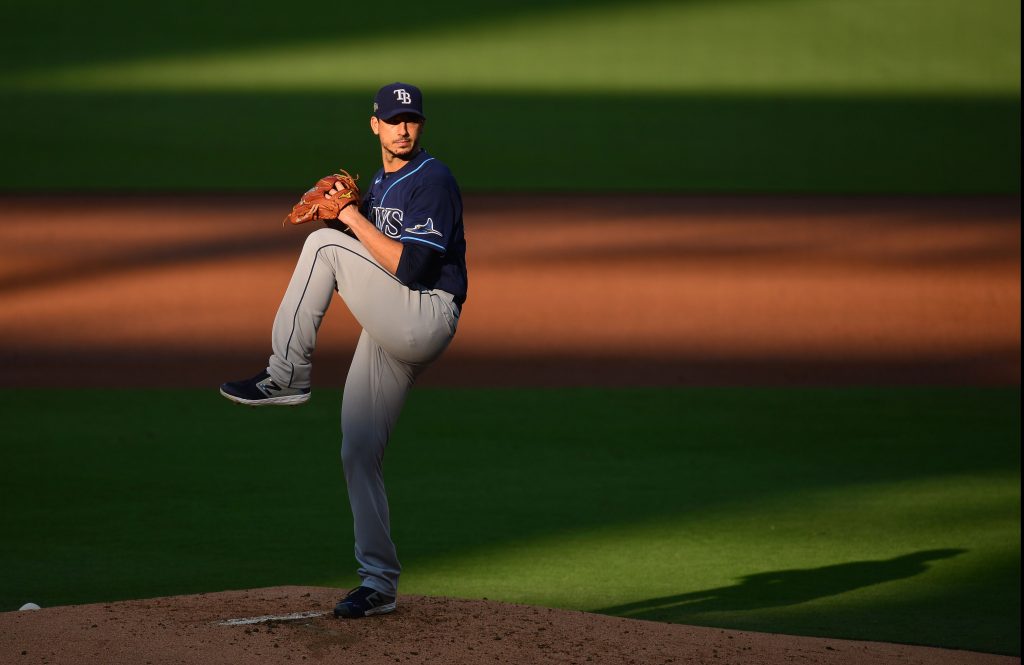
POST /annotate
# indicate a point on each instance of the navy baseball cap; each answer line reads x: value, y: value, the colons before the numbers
x: 396, y: 98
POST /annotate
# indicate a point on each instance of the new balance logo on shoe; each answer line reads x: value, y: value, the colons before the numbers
x: 261, y: 390
x: 363, y: 602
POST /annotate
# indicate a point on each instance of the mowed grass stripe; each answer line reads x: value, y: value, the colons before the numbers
x: 742, y: 46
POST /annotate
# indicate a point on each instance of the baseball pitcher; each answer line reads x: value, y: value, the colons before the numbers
x: 397, y: 257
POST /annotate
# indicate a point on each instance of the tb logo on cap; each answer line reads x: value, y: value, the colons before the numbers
x: 395, y: 98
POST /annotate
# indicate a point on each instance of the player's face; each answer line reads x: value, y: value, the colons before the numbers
x: 400, y: 135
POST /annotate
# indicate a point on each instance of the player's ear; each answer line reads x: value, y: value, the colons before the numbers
x: 375, y: 125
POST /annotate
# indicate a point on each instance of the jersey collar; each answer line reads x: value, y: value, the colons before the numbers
x: 410, y: 165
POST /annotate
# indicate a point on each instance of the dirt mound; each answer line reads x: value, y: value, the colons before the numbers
x: 293, y: 625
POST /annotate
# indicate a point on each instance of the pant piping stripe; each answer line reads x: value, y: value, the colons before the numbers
x: 295, y: 317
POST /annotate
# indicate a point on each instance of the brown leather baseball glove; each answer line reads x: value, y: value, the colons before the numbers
x: 320, y: 203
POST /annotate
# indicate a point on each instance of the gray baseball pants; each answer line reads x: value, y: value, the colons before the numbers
x: 403, y: 331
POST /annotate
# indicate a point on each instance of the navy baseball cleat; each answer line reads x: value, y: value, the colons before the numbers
x: 363, y: 602
x: 261, y: 390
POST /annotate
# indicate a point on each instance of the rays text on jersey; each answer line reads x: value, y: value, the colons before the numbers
x: 388, y: 221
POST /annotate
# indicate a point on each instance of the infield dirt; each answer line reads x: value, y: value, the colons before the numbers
x: 189, y: 630
x: 181, y: 291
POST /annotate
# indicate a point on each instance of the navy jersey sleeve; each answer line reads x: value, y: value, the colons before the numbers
x: 430, y: 217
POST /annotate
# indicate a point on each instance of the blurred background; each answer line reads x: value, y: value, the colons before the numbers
x: 897, y: 96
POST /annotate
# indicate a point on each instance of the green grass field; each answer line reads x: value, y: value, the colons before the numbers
x: 884, y: 514
x: 908, y: 96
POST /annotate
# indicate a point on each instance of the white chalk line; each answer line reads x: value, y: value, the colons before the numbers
x: 294, y: 616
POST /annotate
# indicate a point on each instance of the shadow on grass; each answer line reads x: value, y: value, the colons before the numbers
x: 781, y: 588
x: 771, y: 143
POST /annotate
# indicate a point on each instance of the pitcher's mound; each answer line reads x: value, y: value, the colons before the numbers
x: 294, y: 625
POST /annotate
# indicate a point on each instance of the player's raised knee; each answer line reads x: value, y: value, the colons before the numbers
x: 326, y: 237
x: 323, y: 236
